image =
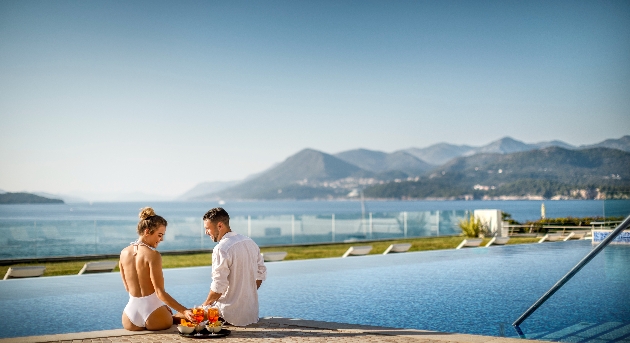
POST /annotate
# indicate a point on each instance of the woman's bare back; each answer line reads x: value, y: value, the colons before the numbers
x: 136, y: 269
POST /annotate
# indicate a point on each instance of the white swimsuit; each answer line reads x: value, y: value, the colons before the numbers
x: 138, y: 310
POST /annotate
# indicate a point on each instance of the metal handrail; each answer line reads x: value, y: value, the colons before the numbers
x: 624, y: 225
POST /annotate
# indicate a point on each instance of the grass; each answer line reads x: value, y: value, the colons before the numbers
x: 293, y: 253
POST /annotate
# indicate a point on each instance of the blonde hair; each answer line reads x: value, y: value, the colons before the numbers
x: 149, y: 221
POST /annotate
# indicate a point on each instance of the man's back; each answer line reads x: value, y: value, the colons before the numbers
x: 236, y: 265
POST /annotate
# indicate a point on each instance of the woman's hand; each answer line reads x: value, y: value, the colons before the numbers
x: 189, y: 315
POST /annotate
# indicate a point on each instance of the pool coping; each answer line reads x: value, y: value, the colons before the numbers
x: 279, y: 324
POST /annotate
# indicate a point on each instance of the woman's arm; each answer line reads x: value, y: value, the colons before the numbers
x: 157, y: 278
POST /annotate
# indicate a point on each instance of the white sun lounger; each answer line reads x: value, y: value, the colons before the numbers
x: 22, y: 272
x: 577, y: 235
x: 358, y: 251
x: 400, y: 247
x: 274, y: 256
x: 470, y: 243
x: 98, y: 267
x: 551, y: 237
x: 498, y: 241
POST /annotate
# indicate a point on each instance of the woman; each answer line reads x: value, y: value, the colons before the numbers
x: 141, y: 271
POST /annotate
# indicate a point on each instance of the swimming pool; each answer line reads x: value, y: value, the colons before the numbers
x: 476, y: 291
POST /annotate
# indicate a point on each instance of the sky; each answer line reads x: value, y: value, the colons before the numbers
x: 154, y: 97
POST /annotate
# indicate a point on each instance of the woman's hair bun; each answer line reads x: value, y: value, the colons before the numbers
x: 146, y: 213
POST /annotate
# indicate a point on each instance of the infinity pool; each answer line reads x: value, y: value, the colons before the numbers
x: 476, y: 291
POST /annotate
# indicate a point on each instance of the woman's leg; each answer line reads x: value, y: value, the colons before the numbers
x: 160, y: 319
x: 128, y: 325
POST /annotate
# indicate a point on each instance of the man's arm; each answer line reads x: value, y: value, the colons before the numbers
x: 212, y: 298
x: 220, y: 272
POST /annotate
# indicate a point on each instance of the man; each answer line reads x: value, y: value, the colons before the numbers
x: 238, y: 271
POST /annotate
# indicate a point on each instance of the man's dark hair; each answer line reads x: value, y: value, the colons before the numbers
x: 217, y: 214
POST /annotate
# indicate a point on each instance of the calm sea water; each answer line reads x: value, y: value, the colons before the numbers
x: 520, y: 210
x: 476, y: 291
x: 28, y: 231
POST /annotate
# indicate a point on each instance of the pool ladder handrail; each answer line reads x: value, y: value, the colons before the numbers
x: 624, y: 225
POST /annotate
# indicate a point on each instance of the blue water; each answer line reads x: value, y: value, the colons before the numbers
x: 28, y: 231
x: 521, y: 210
x: 476, y: 291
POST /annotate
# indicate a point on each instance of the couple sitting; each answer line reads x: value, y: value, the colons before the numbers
x: 237, y: 272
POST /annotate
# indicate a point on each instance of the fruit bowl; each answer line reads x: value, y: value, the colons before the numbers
x: 201, y: 326
x: 185, y: 329
x: 214, y: 327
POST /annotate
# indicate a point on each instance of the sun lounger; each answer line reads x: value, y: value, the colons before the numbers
x: 498, y: 241
x: 470, y: 243
x: 358, y: 251
x: 551, y: 237
x: 22, y: 272
x: 274, y: 256
x: 579, y: 235
x: 575, y: 235
x: 98, y: 267
x: 400, y: 247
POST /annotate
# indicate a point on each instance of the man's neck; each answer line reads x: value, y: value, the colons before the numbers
x: 221, y: 234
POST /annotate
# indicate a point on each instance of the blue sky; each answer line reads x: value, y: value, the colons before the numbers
x: 155, y: 97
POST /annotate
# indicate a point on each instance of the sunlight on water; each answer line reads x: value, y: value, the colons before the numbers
x: 476, y: 291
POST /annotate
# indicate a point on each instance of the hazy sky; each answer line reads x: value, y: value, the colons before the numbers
x: 155, y: 97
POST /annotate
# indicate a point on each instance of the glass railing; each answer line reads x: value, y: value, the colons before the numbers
x: 52, y: 238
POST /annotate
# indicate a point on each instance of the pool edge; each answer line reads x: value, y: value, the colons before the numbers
x: 279, y: 323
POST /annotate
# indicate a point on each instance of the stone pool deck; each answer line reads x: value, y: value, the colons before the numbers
x: 276, y: 329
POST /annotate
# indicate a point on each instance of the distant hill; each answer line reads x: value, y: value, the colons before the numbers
x: 588, y: 165
x: 547, y: 173
x: 557, y: 143
x: 26, y: 198
x: 440, y: 153
x: 502, y: 168
x: 68, y: 199
x: 205, y: 188
x: 381, y: 162
x: 622, y: 143
x: 298, y: 177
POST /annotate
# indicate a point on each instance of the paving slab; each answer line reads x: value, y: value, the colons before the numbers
x: 275, y: 329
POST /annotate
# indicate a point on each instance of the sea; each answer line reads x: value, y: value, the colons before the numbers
x: 76, y: 229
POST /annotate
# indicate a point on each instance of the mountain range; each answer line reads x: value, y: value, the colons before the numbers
x: 312, y: 174
x: 441, y: 153
x: 548, y: 173
x: 441, y: 170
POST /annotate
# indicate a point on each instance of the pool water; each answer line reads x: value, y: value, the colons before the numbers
x: 475, y: 291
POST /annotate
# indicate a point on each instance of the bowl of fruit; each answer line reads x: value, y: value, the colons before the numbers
x: 200, y: 326
x: 186, y: 327
x: 214, y: 327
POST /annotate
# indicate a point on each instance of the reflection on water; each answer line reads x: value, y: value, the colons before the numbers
x: 476, y: 291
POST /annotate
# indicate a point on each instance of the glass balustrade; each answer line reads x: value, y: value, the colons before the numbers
x: 50, y: 238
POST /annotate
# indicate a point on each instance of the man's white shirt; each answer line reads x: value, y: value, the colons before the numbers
x: 236, y: 265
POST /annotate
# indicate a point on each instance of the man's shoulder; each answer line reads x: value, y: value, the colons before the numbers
x: 234, y: 240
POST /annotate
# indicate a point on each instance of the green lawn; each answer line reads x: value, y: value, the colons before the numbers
x: 294, y: 253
